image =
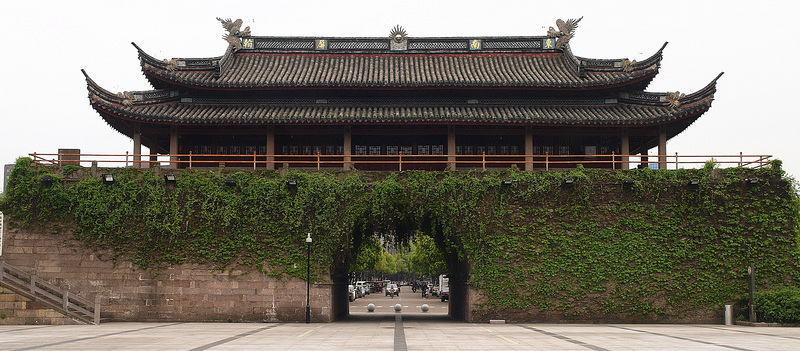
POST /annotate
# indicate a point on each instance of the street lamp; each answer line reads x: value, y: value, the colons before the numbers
x: 308, y: 279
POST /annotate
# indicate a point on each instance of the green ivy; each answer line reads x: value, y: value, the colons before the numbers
x: 657, y: 248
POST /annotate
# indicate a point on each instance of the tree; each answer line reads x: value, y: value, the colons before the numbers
x: 426, y: 258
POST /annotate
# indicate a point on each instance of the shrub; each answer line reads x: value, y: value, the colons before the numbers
x: 779, y: 306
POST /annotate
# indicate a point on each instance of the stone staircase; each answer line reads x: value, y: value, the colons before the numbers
x: 37, y: 296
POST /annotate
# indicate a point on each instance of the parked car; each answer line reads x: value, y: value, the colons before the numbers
x: 392, y: 288
x: 360, y: 291
x: 435, y: 290
x: 362, y: 288
x: 351, y: 293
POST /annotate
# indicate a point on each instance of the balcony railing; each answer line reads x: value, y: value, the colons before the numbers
x: 401, y: 162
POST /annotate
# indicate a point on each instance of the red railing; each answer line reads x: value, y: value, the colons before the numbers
x: 400, y: 162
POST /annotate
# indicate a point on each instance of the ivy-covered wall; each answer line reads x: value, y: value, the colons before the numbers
x: 534, y: 250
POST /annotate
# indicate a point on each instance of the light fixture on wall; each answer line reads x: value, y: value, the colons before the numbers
x: 230, y: 181
x: 108, y: 178
x: 47, y: 180
x: 170, y: 178
x: 291, y: 182
x: 694, y: 182
x: 752, y: 180
x: 568, y: 181
x: 628, y: 182
x: 506, y: 182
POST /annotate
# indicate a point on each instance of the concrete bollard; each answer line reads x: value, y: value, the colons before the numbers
x: 371, y: 308
x: 425, y: 307
x: 728, y: 314
x: 398, y: 307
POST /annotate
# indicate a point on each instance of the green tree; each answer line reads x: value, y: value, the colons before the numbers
x: 426, y: 258
x: 368, y: 256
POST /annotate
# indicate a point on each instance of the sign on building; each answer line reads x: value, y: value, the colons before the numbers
x: 7, y: 172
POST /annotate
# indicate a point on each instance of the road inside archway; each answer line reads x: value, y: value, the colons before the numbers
x: 411, y: 302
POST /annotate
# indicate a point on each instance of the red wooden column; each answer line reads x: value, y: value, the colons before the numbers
x: 625, y: 146
x: 137, y: 145
x: 348, y: 141
x: 173, y: 147
x: 528, y: 148
x: 451, y: 147
x: 270, y: 147
x: 662, y: 147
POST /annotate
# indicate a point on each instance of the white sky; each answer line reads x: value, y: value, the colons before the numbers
x: 46, y: 44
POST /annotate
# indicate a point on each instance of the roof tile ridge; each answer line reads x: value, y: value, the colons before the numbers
x: 99, y: 91
x: 704, y: 92
x: 145, y: 58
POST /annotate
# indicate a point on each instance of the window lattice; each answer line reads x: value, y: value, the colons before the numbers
x: 434, y: 45
x: 359, y: 45
x: 276, y: 44
x: 517, y: 44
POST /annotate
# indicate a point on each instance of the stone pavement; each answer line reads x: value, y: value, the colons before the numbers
x: 390, y: 331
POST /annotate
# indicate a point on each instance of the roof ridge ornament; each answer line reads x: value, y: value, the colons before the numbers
x: 128, y: 98
x: 627, y: 65
x: 565, y: 32
x: 234, y: 35
x: 398, y: 38
x: 674, y: 99
x: 171, y: 64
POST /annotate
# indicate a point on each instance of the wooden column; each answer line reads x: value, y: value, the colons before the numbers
x: 270, y: 147
x: 348, y: 141
x: 662, y: 147
x: 528, y: 148
x: 173, y: 147
x: 137, y: 146
x: 451, y: 148
x: 625, y: 147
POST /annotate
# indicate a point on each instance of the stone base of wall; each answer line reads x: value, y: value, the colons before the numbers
x: 16, y: 309
x: 185, y: 292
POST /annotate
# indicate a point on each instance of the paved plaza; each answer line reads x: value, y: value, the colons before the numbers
x: 394, y: 332
x: 411, y: 329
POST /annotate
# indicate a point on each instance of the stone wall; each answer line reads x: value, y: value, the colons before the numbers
x: 16, y: 309
x: 184, y: 292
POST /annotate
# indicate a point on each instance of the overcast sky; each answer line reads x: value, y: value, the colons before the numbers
x: 46, y: 44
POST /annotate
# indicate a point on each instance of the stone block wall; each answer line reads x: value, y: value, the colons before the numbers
x: 185, y: 292
x: 16, y: 309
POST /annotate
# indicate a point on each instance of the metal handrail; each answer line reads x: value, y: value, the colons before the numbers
x: 34, y: 288
x: 190, y: 160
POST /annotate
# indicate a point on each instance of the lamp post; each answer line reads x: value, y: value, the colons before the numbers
x: 308, y: 279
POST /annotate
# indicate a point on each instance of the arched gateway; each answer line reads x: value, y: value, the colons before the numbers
x: 433, y: 103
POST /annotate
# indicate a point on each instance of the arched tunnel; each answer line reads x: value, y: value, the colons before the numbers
x: 458, y: 268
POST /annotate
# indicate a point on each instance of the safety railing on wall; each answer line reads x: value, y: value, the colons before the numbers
x: 402, y: 162
x: 30, y: 286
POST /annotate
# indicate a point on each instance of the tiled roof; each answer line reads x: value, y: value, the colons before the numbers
x: 165, y: 107
x: 362, y: 68
x: 597, y: 115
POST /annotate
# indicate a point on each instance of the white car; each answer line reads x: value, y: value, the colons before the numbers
x: 392, y: 289
x: 351, y: 293
x: 362, y: 288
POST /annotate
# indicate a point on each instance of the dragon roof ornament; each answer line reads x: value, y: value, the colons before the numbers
x: 565, y: 32
x: 234, y: 35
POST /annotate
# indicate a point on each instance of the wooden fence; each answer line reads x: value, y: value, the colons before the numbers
x: 402, y: 162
